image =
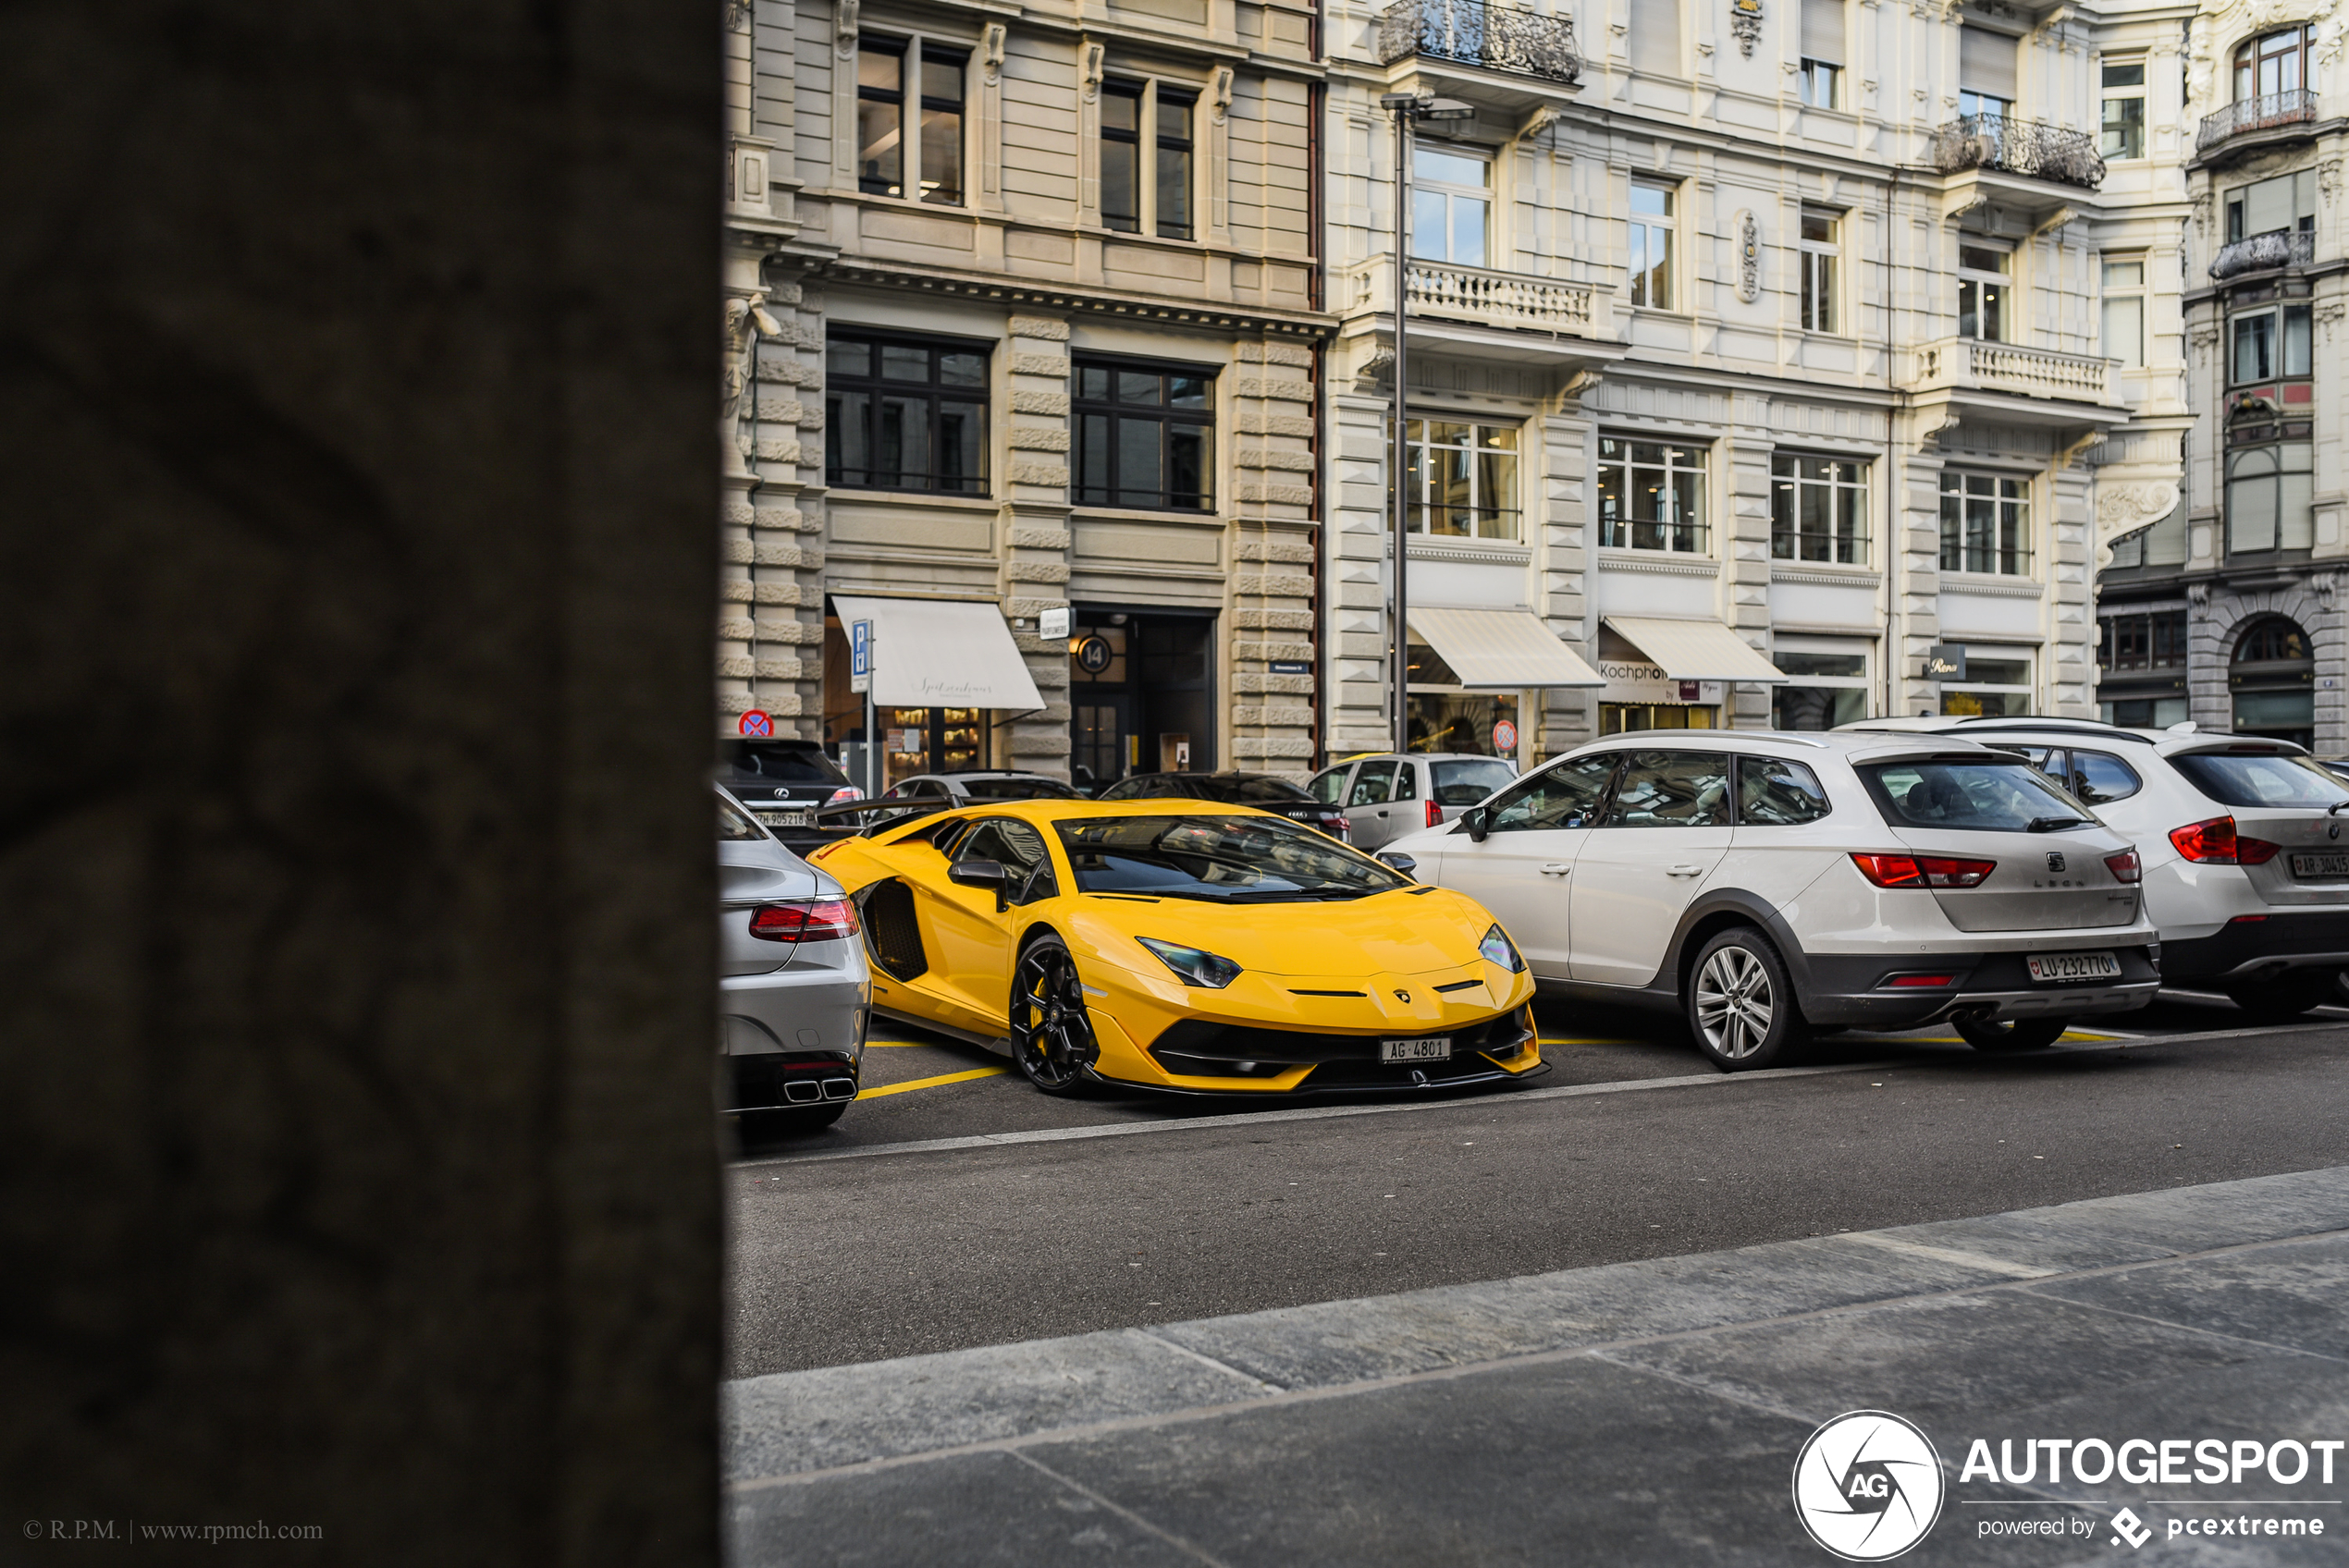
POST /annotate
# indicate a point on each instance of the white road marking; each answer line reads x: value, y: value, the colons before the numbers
x: 1949, y: 1255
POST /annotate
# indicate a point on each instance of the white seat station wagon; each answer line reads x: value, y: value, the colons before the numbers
x: 2246, y: 865
x: 1766, y: 885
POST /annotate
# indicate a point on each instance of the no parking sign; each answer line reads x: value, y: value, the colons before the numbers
x: 756, y: 725
x: 1504, y: 737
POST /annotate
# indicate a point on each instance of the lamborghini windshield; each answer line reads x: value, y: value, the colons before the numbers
x: 1228, y: 859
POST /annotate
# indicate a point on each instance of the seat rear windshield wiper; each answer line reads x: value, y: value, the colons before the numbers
x: 2057, y: 824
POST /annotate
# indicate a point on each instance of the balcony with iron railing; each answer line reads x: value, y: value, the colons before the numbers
x: 2031, y: 148
x: 2265, y: 252
x: 1471, y: 32
x: 2272, y: 111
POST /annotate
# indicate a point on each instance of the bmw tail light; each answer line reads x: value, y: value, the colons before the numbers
x: 2124, y: 866
x: 2215, y: 843
x: 811, y: 919
x: 1435, y: 814
x: 1923, y: 871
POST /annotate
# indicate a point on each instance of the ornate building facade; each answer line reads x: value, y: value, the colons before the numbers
x: 1025, y: 319
x: 2225, y: 612
x: 1784, y: 361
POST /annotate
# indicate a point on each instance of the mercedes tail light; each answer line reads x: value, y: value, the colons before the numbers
x: 1923, y: 871
x: 2124, y: 866
x: 809, y: 920
x: 2215, y: 843
x: 1435, y: 814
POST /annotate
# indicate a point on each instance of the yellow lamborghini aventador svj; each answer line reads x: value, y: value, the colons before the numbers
x: 1186, y: 947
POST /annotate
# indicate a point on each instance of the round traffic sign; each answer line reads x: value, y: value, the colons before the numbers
x: 1504, y: 737
x: 757, y: 724
x: 1094, y: 654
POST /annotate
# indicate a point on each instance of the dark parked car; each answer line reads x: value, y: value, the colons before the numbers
x: 1265, y: 792
x: 976, y: 785
x: 783, y: 782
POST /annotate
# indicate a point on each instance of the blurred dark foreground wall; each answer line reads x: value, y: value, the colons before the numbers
x: 358, y: 390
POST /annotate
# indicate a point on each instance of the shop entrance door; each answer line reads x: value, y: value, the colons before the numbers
x: 1140, y: 696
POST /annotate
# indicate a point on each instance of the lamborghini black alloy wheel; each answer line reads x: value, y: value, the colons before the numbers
x: 1051, y: 1032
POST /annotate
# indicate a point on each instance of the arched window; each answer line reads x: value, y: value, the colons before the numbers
x: 2272, y: 679
x: 2273, y: 63
x: 2269, y: 640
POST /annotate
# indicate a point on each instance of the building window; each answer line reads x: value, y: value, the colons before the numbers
x: 1997, y: 685
x: 1121, y: 156
x: 1822, y: 53
x: 1651, y: 226
x: 2275, y: 63
x: 2286, y: 205
x: 2124, y: 310
x: 1451, y: 205
x: 1988, y: 113
x: 1462, y: 480
x: 2164, y: 544
x: 2271, y: 679
x: 1985, y: 524
x: 1822, y: 84
x: 2123, y: 134
x: 905, y: 414
x: 1144, y: 436
x: 1651, y: 496
x: 2271, y: 343
x: 1829, y: 687
x: 883, y: 66
x: 1822, y: 242
x: 1982, y: 291
x: 1818, y: 509
x: 1174, y: 136
x: 2154, y: 641
x: 2268, y: 494
x: 1136, y: 114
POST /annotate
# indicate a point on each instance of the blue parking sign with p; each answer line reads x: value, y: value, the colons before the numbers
x: 860, y: 648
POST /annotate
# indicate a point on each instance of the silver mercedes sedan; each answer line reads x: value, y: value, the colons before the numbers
x: 793, y: 994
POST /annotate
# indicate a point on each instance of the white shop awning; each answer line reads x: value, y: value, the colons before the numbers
x: 941, y: 654
x: 1696, y: 649
x: 1502, y: 650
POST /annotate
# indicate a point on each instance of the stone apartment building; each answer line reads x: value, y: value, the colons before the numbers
x: 1771, y: 361
x: 1024, y: 316
x: 2226, y: 612
x: 1760, y: 356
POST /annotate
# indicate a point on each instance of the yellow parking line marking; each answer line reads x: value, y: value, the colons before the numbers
x: 932, y: 1083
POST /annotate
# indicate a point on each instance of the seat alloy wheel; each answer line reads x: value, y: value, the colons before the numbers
x: 1051, y: 1032
x: 1741, y: 1003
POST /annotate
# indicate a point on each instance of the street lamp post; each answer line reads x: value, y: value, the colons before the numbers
x: 1409, y: 109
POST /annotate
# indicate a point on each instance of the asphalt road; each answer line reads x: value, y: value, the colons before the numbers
x: 1184, y: 1211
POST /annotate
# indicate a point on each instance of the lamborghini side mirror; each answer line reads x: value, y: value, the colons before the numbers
x: 978, y: 872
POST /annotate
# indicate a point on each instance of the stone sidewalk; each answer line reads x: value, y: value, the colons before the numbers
x: 1640, y: 1412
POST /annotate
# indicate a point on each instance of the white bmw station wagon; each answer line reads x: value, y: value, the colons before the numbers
x: 1769, y: 885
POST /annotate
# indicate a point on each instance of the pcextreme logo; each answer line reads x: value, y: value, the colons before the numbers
x: 1867, y: 1485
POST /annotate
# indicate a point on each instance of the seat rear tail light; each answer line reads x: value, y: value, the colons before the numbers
x: 810, y: 920
x: 1435, y: 814
x: 1923, y: 871
x: 2124, y: 866
x: 2215, y: 843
